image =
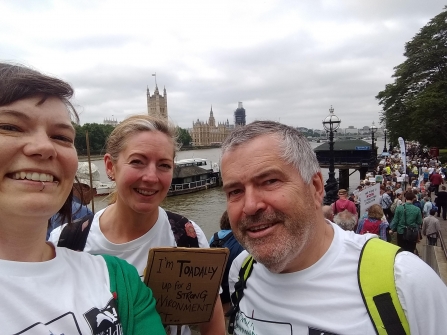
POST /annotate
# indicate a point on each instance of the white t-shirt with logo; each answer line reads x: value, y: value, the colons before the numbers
x: 325, y: 298
x: 135, y: 252
x: 69, y: 294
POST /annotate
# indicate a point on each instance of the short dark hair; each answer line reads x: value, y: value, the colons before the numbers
x: 225, y: 221
x: 432, y: 211
x: 18, y: 82
x: 409, y: 195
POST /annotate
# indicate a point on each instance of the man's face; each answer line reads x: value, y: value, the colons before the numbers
x: 271, y: 210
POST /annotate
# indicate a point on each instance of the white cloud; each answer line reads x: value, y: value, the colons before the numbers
x: 287, y: 60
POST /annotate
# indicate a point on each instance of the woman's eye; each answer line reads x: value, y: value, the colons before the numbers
x: 166, y: 166
x: 63, y: 138
x: 9, y: 127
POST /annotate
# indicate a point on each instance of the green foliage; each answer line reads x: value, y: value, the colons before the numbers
x: 98, y: 134
x: 415, y: 105
x: 183, y: 136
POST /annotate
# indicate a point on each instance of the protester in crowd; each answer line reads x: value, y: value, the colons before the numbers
x: 428, y: 205
x: 406, y: 216
x: 48, y: 290
x: 441, y: 202
x: 431, y: 228
x: 373, y: 223
x: 225, y: 239
x: 140, y: 159
x: 343, y: 203
x: 304, y: 280
x: 346, y: 220
x: 435, y: 180
x: 385, y: 203
x: 82, y: 195
x: 328, y: 213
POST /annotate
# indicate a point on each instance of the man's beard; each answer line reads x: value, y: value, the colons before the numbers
x: 278, y: 249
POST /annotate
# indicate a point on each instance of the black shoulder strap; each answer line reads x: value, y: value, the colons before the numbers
x: 183, y: 238
x: 74, y: 235
x: 238, y: 294
x: 335, y: 207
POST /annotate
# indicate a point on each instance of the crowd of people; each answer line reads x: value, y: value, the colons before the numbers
x: 292, y: 269
x: 408, y: 196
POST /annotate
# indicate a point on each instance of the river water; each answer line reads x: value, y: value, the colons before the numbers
x: 206, y: 207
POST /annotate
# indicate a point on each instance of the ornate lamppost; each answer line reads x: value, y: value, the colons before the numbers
x: 373, y: 130
x: 384, y: 145
x: 331, y: 123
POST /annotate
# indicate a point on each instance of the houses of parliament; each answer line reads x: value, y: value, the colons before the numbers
x: 203, y: 133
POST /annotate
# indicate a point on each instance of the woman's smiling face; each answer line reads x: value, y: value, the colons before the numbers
x: 38, y: 157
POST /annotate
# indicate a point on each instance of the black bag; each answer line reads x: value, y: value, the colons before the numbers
x: 411, y: 234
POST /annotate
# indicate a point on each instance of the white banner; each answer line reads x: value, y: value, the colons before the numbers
x: 403, y: 153
x: 368, y: 197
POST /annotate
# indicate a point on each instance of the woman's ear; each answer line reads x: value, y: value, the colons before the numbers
x: 110, y: 169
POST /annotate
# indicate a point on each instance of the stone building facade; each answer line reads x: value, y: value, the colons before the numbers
x: 208, y: 133
x: 157, y: 105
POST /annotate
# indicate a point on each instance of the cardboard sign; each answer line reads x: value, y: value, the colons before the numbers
x: 185, y: 282
x: 369, y: 197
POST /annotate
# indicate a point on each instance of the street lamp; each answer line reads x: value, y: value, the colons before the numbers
x: 384, y: 145
x: 331, y: 123
x: 373, y: 130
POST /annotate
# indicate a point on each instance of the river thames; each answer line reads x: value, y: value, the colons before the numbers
x: 206, y: 207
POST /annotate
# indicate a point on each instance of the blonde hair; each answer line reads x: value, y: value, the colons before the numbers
x: 119, y: 137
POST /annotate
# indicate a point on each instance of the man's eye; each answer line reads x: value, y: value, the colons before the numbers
x: 270, y: 181
x: 234, y: 192
x: 135, y: 162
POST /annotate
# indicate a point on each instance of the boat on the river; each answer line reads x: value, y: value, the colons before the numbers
x: 190, y: 175
x: 193, y: 175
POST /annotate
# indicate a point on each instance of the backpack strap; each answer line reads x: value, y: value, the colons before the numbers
x: 378, y: 288
x: 74, y: 235
x: 178, y: 226
x: 238, y: 294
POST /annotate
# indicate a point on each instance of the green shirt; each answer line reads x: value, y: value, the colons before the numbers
x: 407, y: 215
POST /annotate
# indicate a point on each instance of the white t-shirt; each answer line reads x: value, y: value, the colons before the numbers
x: 325, y: 298
x: 134, y: 252
x: 56, y: 297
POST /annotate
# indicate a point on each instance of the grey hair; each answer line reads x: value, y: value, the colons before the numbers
x: 345, y: 220
x: 295, y: 149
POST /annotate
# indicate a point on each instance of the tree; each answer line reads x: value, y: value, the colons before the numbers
x: 97, y: 133
x: 415, y: 104
x: 184, y: 137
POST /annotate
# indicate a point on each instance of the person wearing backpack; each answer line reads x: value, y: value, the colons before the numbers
x: 140, y: 159
x: 407, y: 219
x: 373, y: 224
x: 225, y: 239
x: 300, y: 272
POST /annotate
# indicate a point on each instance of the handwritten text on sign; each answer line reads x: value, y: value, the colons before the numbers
x: 185, y: 282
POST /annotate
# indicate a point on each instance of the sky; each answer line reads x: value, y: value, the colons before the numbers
x: 285, y: 60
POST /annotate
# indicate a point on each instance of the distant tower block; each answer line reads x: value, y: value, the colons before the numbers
x: 239, y: 115
x: 157, y: 105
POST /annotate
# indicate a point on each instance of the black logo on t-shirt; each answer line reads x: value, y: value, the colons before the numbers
x: 104, y: 321
x: 314, y: 331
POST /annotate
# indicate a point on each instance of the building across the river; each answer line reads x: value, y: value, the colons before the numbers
x: 157, y: 104
x: 208, y: 133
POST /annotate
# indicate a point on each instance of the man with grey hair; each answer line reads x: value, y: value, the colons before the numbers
x: 345, y: 220
x: 328, y: 213
x: 303, y: 279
